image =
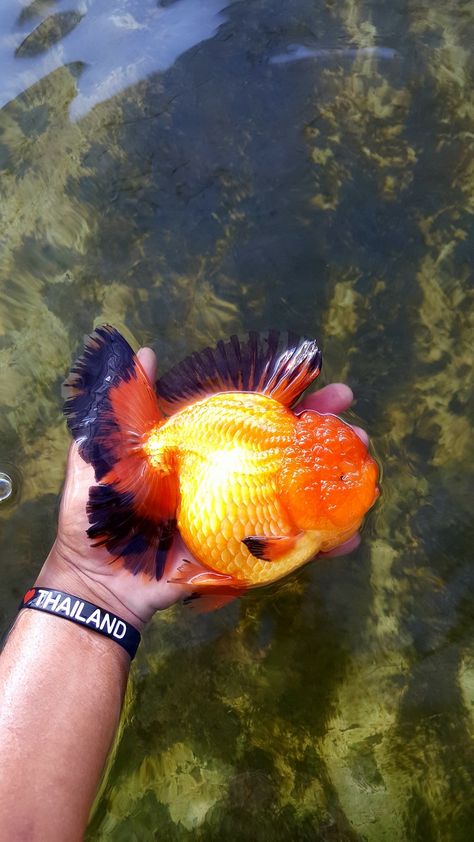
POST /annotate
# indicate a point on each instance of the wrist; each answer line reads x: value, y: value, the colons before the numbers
x: 64, y: 574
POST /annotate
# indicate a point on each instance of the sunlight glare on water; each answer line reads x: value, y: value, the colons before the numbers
x: 6, y: 487
x: 119, y: 43
x: 299, y: 52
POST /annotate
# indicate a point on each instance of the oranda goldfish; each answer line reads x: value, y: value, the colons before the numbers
x: 215, y: 451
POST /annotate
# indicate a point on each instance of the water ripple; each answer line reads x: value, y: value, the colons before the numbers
x: 119, y: 44
x: 297, y: 52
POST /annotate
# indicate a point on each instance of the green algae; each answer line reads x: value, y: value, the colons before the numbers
x: 50, y: 31
x: 335, y: 198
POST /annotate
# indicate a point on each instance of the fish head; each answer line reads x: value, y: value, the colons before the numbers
x: 328, y: 479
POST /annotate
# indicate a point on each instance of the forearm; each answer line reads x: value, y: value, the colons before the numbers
x: 61, y: 694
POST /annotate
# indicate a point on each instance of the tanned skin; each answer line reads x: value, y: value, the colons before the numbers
x: 61, y: 685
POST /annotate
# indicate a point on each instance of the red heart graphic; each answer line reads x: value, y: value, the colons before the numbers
x: 28, y: 595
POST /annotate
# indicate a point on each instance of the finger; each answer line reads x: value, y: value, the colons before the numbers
x: 79, y: 478
x: 362, y: 434
x: 337, y: 397
x: 345, y: 548
x: 334, y: 398
x: 75, y: 462
x: 147, y: 359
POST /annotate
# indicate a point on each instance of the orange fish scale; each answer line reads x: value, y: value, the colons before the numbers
x: 229, y: 449
x: 205, y: 493
x: 230, y: 452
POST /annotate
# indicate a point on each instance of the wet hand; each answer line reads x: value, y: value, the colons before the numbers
x: 91, y: 573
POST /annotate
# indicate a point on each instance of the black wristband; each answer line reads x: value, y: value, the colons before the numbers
x: 84, y: 614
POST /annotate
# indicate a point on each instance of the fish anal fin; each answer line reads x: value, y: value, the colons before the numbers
x: 204, y: 603
x: 270, y: 547
x: 193, y: 574
x: 279, y: 364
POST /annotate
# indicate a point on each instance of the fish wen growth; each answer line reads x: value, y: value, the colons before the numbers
x: 216, y: 451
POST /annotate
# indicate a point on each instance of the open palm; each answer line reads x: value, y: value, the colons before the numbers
x: 97, y: 573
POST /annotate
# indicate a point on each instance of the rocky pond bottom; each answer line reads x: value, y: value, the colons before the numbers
x: 293, y: 165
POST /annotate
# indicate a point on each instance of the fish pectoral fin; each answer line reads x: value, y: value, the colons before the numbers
x: 195, y: 575
x: 270, y: 547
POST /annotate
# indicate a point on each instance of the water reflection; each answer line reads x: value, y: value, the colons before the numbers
x: 117, y: 44
x: 333, y: 195
x: 298, y: 52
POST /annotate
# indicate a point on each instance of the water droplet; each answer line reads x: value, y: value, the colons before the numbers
x: 6, y: 487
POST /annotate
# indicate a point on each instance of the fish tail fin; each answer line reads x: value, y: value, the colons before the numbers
x: 279, y: 364
x: 111, y: 409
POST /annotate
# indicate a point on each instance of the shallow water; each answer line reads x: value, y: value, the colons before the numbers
x: 190, y: 170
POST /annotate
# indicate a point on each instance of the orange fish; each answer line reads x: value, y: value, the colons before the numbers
x: 216, y: 452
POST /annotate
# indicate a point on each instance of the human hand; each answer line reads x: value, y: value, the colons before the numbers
x: 75, y: 566
x: 90, y: 572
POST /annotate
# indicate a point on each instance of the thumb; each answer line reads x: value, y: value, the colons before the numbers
x: 147, y: 359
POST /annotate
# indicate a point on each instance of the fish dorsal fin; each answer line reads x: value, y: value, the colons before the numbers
x: 279, y: 364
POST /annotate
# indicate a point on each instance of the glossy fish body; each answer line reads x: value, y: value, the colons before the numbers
x: 229, y: 450
x: 254, y: 489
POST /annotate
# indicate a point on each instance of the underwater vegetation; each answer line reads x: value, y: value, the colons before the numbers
x: 332, y: 195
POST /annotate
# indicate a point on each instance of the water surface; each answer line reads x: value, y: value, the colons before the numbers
x: 188, y: 170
